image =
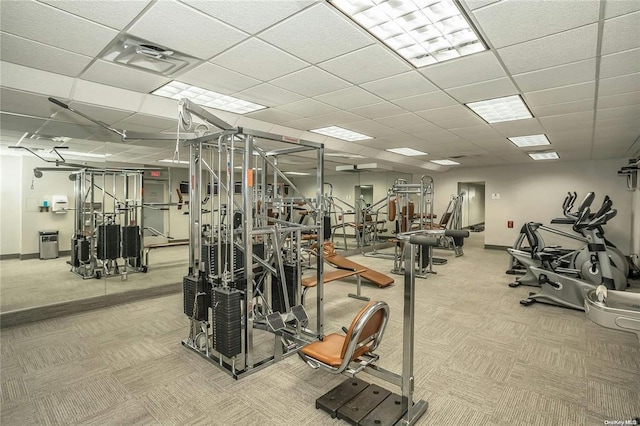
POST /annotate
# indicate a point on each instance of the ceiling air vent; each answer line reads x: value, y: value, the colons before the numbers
x: 143, y: 55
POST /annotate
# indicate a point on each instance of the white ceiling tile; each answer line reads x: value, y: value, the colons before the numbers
x: 621, y: 112
x: 69, y: 130
x: 199, y: 35
x: 519, y: 127
x: 326, y: 34
x: 305, y: 124
x: 447, y: 113
x: 564, y: 108
x: 48, y: 25
x: 615, y: 8
x: 159, y: 106
x: 455, y: 123
x: 620, y: 63
x: 357, y: 68
x: 583, y: 119
x: 19, y: 102
x: 369, y: 126
x: 251, y: 16
x: 477, y: 4
x: 510, y: 22
x: 273, y: 115
x: 20, y: 123
x: 442, y: 137
x: 400, y: 86
x: 337, y: 118
x: 401, y: 120
x: 257, y: 59
x: 621, y: 33
x: 466, y: 70
x: 422, y: 127
x: 310, y: 81
x: 485, y: 90
x: 382, y: 109
x: 111, y: 74
x: 112, y: 13
x: 111, y: 97
x: 32, y: 80
x: 218, y: 79
x: 483, y: 131
x: 576, y: 72
x: 268, y: 95
x: 308, y: 108
x: 614, y: 101
x: 555, y: 123
x: 351, y: 97
x: 577, y: 44
x: 260, y: 124
x: 37, y: 55
x: 558, y: 95
x: 149, y: 122
x: 619, y: 85
x: 433, y: 100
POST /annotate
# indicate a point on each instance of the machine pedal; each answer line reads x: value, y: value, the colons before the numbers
x: 386, y: 414
x: 514, y: 284
x: 300, y: 313
x: 274, y: 321
x: 527, y: 302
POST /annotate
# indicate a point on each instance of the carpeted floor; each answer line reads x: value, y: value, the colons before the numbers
x: 481, y: 359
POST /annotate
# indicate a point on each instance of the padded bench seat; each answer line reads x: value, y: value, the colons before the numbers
x: 327, y: 277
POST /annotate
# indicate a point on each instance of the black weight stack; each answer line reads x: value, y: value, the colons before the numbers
x: 277, y: 296
x: 227, y: 321
x: 131, y: 241
x: 190, y: 287
x: 108, y: 242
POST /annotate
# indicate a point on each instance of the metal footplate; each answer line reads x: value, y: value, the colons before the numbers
x: 362, y: 404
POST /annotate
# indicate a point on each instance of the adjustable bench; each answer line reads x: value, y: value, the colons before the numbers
x: 328, y: 277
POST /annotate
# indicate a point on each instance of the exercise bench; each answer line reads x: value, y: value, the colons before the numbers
x: 339, y: 274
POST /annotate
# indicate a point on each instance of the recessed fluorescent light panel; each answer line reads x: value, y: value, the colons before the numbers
x: 340, y: 133
x: 207, y: 98
x: 446, y: 162
x: 498, y: 110
x: 533, y: 140
x: 343, y: 155
x: 544, y: 155
x: 422, y: 32
x: 297, y: 173
x: 409, y: 152
x: 173, y: 161
x: 83, y: 154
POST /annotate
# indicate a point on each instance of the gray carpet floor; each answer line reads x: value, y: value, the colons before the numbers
x: 481, y: 359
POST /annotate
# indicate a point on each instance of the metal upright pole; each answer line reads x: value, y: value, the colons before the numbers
x: 247, y: 199
x: 320, y: 241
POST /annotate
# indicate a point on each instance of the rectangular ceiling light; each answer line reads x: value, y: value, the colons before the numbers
x: 409, y: 152
x: 551, y: 155
x: 533, y: 140
x: 422, y: 32
x: 340, y: 133
x: 498, y: 110
x: 206, y: 98
x: 173, y: 161
x: 297, y: 173
x: 343, y: 155
x: 83, y: 154
x: 446, y: 162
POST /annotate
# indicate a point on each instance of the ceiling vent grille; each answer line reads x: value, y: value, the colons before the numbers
x: 143, y: 55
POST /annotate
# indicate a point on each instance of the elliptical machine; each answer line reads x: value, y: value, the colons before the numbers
x: 577, y: 263
x: 570, y: 292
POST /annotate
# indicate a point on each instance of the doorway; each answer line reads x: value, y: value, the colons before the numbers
x: 153, y: 217
x: 473, y: 205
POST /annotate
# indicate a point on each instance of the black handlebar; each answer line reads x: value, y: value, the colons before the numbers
x: 59, y: 103
x: 602, y: 219
x: 606, y: 206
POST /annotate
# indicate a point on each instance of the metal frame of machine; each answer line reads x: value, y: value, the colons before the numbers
x: 226, y: 299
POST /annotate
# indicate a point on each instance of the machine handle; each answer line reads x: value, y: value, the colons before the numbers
x: 59, y: 103
x: 456, y: 233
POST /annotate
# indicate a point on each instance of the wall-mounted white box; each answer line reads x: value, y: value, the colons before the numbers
x: 59, y: 204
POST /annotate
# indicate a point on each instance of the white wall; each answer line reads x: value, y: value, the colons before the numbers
x: 472, y: 204
x: 535, y: 193
x: 10, y: 205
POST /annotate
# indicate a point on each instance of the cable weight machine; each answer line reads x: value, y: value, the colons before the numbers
x: 243, y: 289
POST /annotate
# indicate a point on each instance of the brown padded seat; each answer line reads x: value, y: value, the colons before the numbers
x: 332, y: 349
x: 330, y: 256
x: 327, y: 277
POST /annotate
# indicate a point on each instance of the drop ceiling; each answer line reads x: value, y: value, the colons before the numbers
x: 576, y: 63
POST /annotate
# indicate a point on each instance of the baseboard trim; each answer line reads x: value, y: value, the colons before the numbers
x: 9, y: 256
x: 28, y: 256
x: 495, y: 247
x: 29, y: 315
